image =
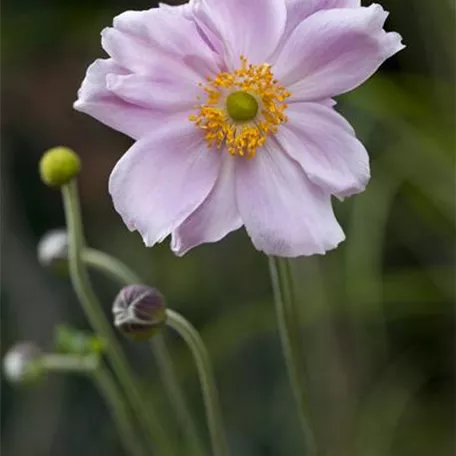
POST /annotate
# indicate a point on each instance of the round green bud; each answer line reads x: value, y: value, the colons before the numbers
x: 20, y: 364
x: 58, y: 166
x: 241, y: 106
x: 139, y: 311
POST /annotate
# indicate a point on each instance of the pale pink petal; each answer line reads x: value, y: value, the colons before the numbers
x: 298, y: 10
x: 148, y: 41
x: 163, y: 178
x: 172, y: 30
x: 284, y: 213
x: 217, y: 216
x: 324, y: 144
x: 329, y: 102
x: 185, y: 9
x: 328, y: 4
x: 165, y: 95
x: 95, y: 99
x: 333, y: 51
x: 246, y: 27
x: 207, y: 28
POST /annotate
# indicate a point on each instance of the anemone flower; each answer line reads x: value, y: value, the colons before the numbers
x: 231, y: 106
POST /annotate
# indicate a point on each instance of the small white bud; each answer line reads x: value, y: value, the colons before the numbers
x: 53, y: 250
x: 19, y: 363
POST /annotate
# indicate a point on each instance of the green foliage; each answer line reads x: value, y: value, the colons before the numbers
x: 71, y: 341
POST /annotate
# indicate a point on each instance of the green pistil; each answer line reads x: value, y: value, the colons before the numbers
x: 241, y: 106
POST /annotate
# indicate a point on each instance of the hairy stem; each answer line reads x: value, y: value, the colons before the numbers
x: 120, y: 272
x: 289, y: 329
x: 97, y: 319
x: 206, y: 376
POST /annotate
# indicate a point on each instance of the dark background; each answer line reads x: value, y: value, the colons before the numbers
x: 378, y: 313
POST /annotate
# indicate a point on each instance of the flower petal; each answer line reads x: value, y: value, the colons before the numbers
x: 324, y: 144
x: 246, y: 27
x: 185, y: 9
x: 170, y: 95
x: 95, y: 99
x: 163, y: 178
x: 283, y: 212
x: 328, y: 4
x: 148, y: 41
x: 333, y: 51
x: 217, y: 216
x: 298, y: 10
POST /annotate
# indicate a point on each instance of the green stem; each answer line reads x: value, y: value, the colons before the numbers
x: 175, y: 394
x: 113, y: 397
x: 111, y: 266
x: 90, y: 365
x: 206, y: 375
x: 289, y: 329
x: 68, y: 363
x: 120, y: 272
x: 97, y: 319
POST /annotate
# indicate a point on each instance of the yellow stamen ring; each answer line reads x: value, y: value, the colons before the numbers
x: 242, y: 108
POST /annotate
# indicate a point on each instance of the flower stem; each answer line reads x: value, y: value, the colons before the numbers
x: 120, y: 272
x: 68, y: 363
x: 110, y: 266
x: 113, y: 397
x: 176, y: 395
x: 97, y: 319
x: 289, y: 329
x: 90, y: 365
x: 206, y: 375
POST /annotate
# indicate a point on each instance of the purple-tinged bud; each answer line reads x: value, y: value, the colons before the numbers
x: 20, y: 363
x: 139, y: 311
x: 53, y: 250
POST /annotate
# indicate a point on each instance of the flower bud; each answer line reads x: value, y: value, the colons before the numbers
x: 20, y: 363
x: 139, y: 311
x: 58, y: 166
x: 53, y: 250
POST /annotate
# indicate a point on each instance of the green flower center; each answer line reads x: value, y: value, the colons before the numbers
x: 241, y: 106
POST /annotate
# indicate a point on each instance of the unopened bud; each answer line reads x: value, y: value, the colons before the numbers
x: 58, y: 166
x: 20, y: 363
x: 139, y: 311
x: 53, y: 250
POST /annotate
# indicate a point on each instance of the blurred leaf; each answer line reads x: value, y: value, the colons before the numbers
x: 70, y: 340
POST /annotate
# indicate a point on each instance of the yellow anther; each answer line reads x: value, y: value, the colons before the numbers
x: 242, y: 134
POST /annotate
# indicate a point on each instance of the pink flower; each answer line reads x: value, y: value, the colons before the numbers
x: 230, y: 104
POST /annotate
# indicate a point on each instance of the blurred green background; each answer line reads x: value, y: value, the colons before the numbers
x: 378, y: 313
